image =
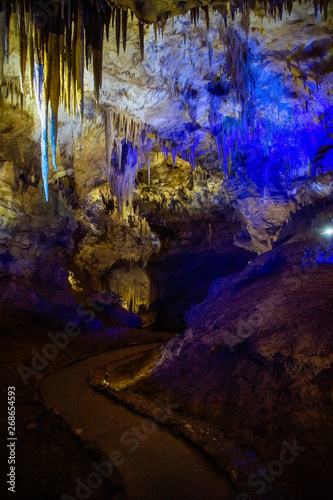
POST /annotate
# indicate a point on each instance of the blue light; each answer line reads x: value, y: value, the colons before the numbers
x: 53, y: 139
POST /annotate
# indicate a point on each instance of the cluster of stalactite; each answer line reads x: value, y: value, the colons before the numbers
x: 131, y: 145
x: 236, y: 76
x: 133, y: 285
x: 271, y: 8
x: 57, y: 38
x: 238, y: 70
x: 11, y: 89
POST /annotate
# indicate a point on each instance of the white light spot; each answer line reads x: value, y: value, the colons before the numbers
x: 328, y: 231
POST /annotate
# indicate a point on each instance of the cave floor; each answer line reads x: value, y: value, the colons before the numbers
x: 156, y: 464
x: 49, y: 455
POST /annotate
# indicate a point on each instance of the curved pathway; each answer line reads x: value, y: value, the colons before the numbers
x: 156, y: 465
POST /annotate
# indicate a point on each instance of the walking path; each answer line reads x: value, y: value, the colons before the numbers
x: 156, y: 464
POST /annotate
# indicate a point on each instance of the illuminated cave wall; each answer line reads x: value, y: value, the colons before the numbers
x: 243, y: 93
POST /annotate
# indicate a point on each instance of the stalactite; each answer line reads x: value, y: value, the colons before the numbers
x: 109, y: 138
x: 155, y: 31
x: 129, y: 145
x: 205, y: 8
x: 195, y: 14
x: 142, y: 38
x: 8, y: 14
x: 113, y: 16
x: 11, y: 87
x: 132, y: 285
x: 79, y: 58
x: 54, y: 128
x: 62, y: 66
x: 191, y: 156
x: 40, y: 80
x: 97, y: 28
x: 246, y: 20
x: 76, y: 31
x: 119, y: 151
x: 163, y: 26
x: 2, y: 42
x: 54, y: 93
x: 31, y: 57
x: 58, y: 51
x: 324, y: 7
x: 107, y: 17
x: 23, y: 48
x: 124, y: 27
x: 148, y: 163
x: 174, y: 152
x: 210, y: 54
x: 118, y: 15
x: 68, y: 76
x: 89, y: 42
x: 74, y: 65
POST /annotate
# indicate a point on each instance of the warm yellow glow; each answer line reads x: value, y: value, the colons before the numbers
x: 133, y: 285
x: 73, y: 283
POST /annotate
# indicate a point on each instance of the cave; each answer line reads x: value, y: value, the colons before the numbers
x: 166, y: 249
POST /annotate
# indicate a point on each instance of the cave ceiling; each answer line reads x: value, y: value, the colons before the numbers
x: 223, y: 84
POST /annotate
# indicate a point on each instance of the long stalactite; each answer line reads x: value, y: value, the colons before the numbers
x: 60, y: 40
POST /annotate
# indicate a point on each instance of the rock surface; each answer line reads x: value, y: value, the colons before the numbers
x: 256, y: 363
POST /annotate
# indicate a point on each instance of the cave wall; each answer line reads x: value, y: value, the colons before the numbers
x: 236, y: 118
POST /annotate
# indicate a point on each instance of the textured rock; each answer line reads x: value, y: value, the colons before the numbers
x: 253, y: 361
x: 264, y: 124
x: 209, y: 131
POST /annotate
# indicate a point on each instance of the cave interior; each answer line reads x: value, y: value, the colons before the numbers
x: 166, y: 189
